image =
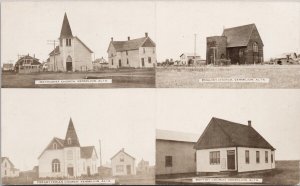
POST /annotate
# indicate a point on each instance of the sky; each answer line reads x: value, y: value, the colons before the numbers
x: 26, y: 26
x: 127, y: 118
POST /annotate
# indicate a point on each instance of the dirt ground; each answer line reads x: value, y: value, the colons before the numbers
x: 126, y: 78
x: 280, y: 76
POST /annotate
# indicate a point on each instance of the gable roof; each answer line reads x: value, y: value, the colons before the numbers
x: 87, y: 152
x: 49, y: 146
x: 176, y: 136
x: 66, y: 31
x: 6, y: 158
x: 133, y: 44
x: 35, y: 61
x: 84, y: 44
x: 71, y: 133
x: 222, y: 133
x: 238, y: 36
x: 122, y: 151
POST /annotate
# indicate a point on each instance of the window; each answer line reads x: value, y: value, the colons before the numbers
x: 195, y: 157
x: 55, y: 165
x: 144, y: 50
x: 69, y: 154
x: 54, y: 146
x: 120, y: 168
x: 112, y: 62
x: 127, y: 62
x: 272, y: 158
x: 266, y: 157
x: 255, y: 47
x: 69, y: 141
x: 60, y: 42
x: 214, y: 157
x: 68, y: 42
x: 247, y: 159
x: 149, y: 59
x: 257, y: 156
x: 168, y: 161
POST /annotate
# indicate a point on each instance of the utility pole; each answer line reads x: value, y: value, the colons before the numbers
x: 195, y: 48
x: 53, y: 42
x: 100, y: 154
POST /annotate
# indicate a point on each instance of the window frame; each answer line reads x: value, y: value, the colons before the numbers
x: 266, y: 157
x: 257, y: 156
x: 168, y: 161
x: 55, y: 165
x: 247, y: 156
x: 214, y: 157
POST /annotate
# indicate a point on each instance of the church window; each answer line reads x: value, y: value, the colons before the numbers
x: 69, y: 154
x: 68, y: 42
x: 54, y: 146
x: 69, y: 141
x: 255, y: 47
x: 112, y: 62
x: 144, y: 50
x: 55, y: 165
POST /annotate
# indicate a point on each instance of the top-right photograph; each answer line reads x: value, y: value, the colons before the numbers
x: 230, y: 44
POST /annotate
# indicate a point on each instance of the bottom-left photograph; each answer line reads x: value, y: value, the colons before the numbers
x: 75, y: 137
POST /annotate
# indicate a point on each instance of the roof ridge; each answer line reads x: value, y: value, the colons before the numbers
x: 239, y: 26
x: 131, y: 39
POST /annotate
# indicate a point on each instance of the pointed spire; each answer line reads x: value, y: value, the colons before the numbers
x: 66, y: 31
x: 71, y: 139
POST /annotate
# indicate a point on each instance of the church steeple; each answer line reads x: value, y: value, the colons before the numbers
x: 71, y: 139
x: 66, y: 31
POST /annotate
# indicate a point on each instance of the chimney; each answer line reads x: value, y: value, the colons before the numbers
x: 146, y: 34
x: 249, y: 123
x: 128, y: 38
x: 112, y: 39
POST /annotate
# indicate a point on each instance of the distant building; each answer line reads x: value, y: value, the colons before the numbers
x: 137, y: 53
x: 7, y: 67
x: 287, y: 58
x: 143, y: 167
x: 123, y: 164
x: 189, y: 58
x: 8, y: 169
x: 66, y: 158
x: 228, y: 146
x: 175, y: 153
x: 240, y: 45
x: 71, y: 54
x: 99, y: 64
x: 27, y: 64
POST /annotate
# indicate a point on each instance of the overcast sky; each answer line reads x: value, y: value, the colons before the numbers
x: 128, y: 118
x: 26, y: 26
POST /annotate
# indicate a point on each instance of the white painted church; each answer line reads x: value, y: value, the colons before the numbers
x: 71, y: 54
x: 66, y: 158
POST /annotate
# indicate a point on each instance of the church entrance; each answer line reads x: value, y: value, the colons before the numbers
x: 69, y: 64
x: 70, y: 171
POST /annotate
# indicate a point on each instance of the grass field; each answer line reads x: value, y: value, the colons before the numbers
x: 123, y: 78
x: 285, y: 173
x: 280, y: 76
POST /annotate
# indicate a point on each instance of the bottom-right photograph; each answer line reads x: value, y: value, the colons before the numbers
x: 239, y: 137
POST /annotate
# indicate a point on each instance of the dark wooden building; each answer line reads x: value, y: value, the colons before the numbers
x: 240, y: 45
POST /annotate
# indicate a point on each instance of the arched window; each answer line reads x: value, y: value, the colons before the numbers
x: 69, y: 59
x: 55, y: 165
x: 69, y: 141
x: 255, y: 47
x: 54, y: 146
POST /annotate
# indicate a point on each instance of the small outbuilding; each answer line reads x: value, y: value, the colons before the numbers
x: 123, y: 164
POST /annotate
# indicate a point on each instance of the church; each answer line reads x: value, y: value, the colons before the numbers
x: 66, y: 158
x: 72, y: 54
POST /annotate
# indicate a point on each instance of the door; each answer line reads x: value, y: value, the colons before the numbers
x: 128, y: 168
x: 70, y: 171
x: 120, y: 64
x: 143, y: 62
x: 88, y: 171
x: 69, y: 64
x: 231, y: 160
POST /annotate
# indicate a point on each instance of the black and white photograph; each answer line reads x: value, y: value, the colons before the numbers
x: 228, y: 137
x: 50, y: 135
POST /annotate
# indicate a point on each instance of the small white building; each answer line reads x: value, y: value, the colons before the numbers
x: 8, y: 169
x: 123, y: 164
x: 228, y: 146
x: 189, y: 58
x: 66, y: 158
x: 71, y: 54
x: 137, y: 53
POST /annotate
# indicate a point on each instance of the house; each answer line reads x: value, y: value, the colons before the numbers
x: 7, y: 67
x: 233, y: 147
x: 71, y: 54
x: 66, y: 158
x: 27, y: 64
x: 137, y: 53
x: 99, y: 64
x: 143, y: 167
x: 123, y: 164
x: 189, y: 58
x: 287, y: 58
x: 240, y: 45
x: 8, y: 169
x: 175, y: 153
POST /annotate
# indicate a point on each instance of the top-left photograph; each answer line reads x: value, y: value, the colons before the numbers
x: 74, y: 44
